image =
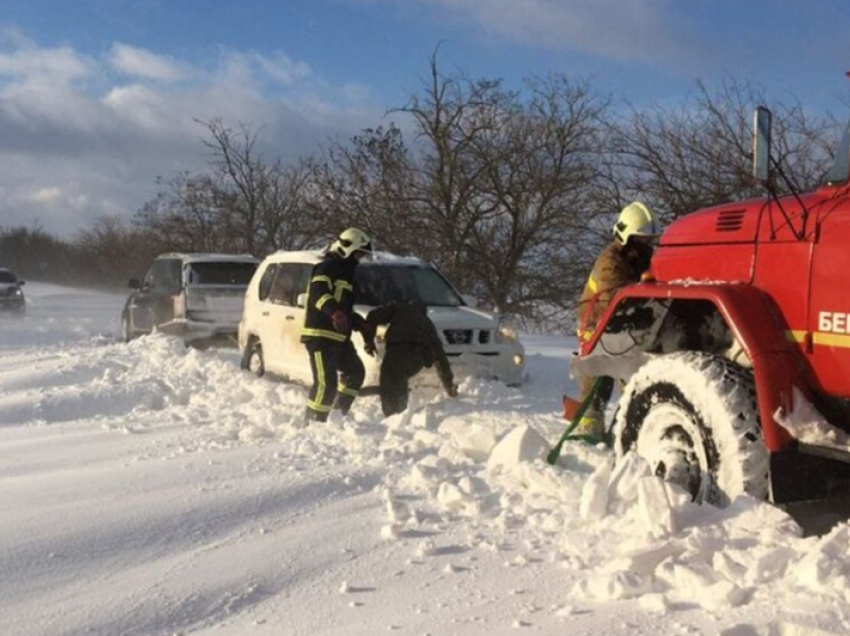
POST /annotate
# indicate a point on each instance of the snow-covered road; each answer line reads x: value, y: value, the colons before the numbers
x: 150, y: 489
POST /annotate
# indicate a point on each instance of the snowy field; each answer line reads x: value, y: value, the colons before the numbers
x: 149, y: 489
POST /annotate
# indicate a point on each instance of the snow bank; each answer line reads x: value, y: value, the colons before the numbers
x: 445, y: 519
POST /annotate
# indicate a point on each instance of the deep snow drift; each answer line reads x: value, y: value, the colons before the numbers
x: 150, y: 489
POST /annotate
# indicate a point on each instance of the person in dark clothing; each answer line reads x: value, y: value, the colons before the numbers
x: 412, y: 343
x: 338, y: 372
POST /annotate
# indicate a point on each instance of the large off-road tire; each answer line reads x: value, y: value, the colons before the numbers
x: 694, y: 418
x: 252, y: 358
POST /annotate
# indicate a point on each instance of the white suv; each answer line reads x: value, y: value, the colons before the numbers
x: 477, y: 342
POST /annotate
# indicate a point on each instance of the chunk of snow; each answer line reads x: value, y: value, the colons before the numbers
x: 625, y: 477
x: 397, y: 511
x: 426, y: 548
x: 522, y: 444
x: 769, y: 565
x: 594, y: 494
x: 618, y: 585
x: 391, y: 531
x: 654, y: 507
x: 645, y: 560
x: 722, y: 595
x: 451, y: 496
x: 474, y: 440
x: 654, y: 603
x: 826, y: 569
x: 806, y: 424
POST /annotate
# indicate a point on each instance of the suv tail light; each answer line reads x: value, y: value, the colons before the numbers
x: 180, y: 306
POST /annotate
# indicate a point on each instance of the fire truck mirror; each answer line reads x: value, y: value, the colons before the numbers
x: 761, y: 143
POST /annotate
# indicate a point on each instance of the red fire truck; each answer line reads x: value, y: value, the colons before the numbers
x: 733, y: 353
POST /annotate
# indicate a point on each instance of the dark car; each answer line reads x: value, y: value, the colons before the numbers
x: 11, y: 295
x: 198, y: 297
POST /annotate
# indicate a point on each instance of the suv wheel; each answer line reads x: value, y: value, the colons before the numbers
x: 694, y: 418
x: 126, y: 331
x: 252, y: 360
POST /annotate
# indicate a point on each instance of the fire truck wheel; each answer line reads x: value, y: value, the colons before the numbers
x: 695, y: 420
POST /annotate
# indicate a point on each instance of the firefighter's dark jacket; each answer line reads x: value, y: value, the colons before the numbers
x: 409, y: 325
x: 331, y: 289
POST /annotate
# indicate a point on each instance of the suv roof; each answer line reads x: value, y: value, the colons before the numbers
x: 192, y: 257
x: 314, y: 256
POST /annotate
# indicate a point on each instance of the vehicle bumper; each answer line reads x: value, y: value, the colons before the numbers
x: 12, y: 304
x: 191, y: 330
x: 505, y: 364
x: 502, y: 363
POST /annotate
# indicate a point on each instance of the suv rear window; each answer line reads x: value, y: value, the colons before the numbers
x: 221, y: 273
x: 382, y: 284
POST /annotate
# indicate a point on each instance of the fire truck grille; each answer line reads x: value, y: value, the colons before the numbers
x: 730, y: 221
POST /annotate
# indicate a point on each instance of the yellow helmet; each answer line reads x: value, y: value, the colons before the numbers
x: 350, y: 241
x: 636, y: 219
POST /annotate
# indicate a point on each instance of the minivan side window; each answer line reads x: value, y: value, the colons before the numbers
x: 284, y: 283
x: 164, y: 276
x: 291, y: 280
x: 265, y: 286
x: 301, y: 273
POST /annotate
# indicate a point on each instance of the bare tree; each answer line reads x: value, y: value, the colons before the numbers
x: 265, y: 204
x: 446, y: 188
x: 493, y: 188
x: 185, y: 216
x: 540, y: 157
x: 115, y: 251
x: 697, y: 154
x: 367, y: 182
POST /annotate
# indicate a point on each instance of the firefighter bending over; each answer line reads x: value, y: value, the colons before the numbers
x: 620, y: 263
x: 412, y: 343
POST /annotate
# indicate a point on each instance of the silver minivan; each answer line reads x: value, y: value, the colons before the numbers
x: 477, y: 342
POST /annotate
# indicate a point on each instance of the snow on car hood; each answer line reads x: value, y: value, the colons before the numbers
x: 462, y: 317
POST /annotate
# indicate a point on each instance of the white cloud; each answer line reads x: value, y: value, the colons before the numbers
x: 625, y: 30
x: 140, y: 63
x: 46, y: 195
x: 22, y: 59
x: 79, y: 141
x: 282, y: 68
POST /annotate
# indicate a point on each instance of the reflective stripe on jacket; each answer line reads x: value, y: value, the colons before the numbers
x: 611, y: 271
x: 331, y: 288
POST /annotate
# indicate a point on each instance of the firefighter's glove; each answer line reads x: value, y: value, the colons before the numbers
x: 340, y: 321
x: 452, y: 390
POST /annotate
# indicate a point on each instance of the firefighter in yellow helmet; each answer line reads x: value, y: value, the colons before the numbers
x: 338, y: 372
x: 620, y: 263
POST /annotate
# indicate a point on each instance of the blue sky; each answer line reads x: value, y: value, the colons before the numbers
x: 99, y: 97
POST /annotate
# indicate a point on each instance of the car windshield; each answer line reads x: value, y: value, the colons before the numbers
x: 7, y: 277
x: 221, y: 273
x: 383, y: 284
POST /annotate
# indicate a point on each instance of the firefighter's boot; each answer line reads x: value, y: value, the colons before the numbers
x: 591, y: 424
